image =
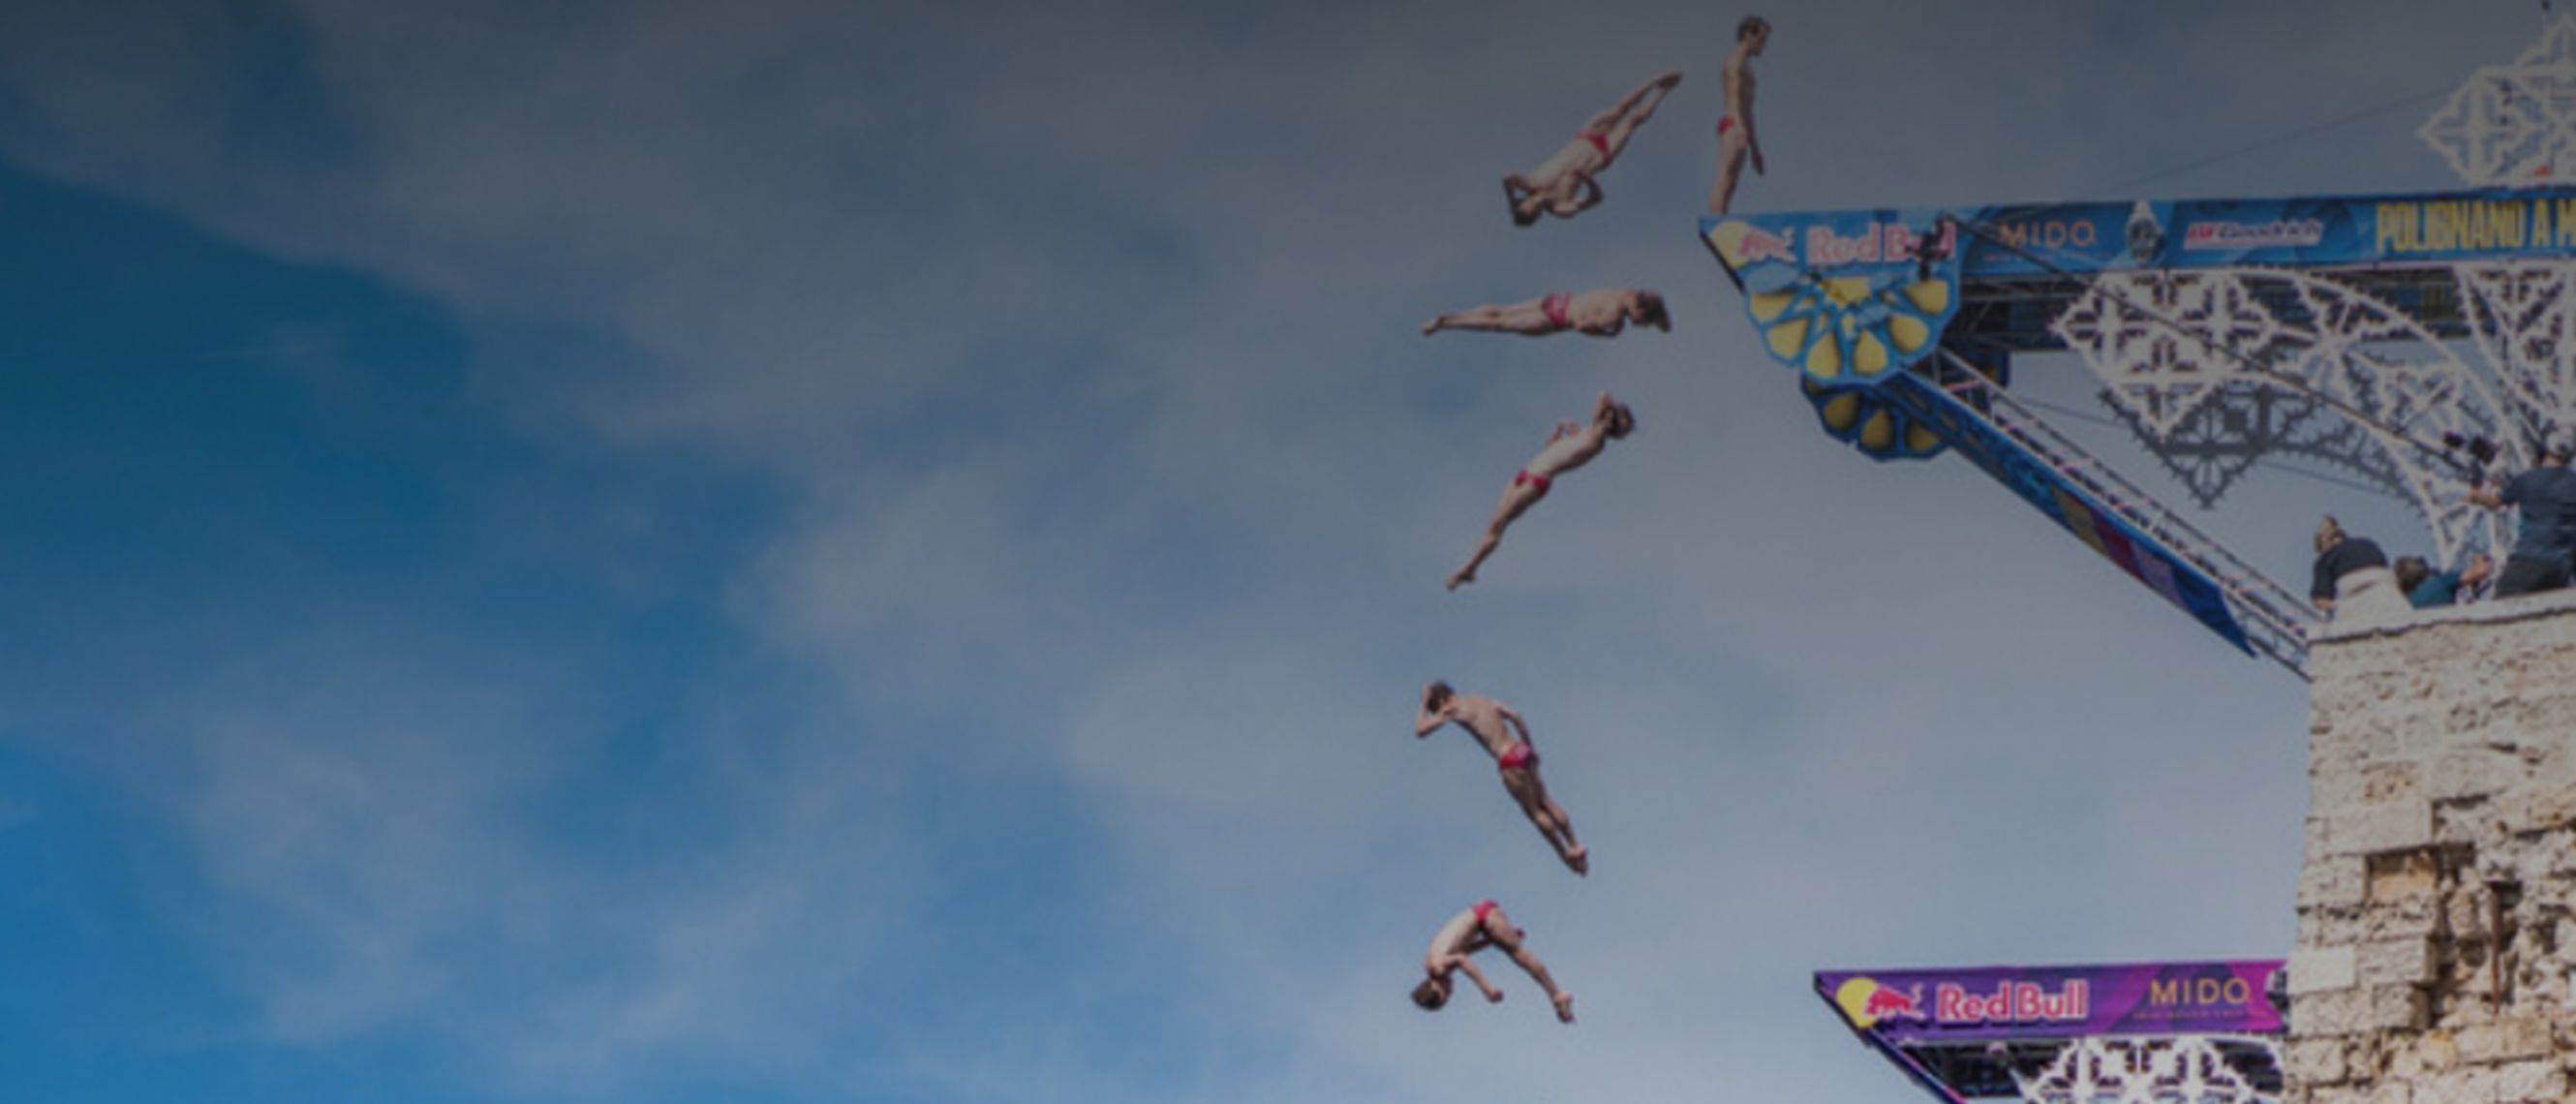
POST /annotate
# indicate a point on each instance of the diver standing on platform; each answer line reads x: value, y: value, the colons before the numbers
x: 1735, y: 136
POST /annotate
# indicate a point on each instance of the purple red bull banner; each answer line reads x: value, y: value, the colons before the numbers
x: 2031, y: 1002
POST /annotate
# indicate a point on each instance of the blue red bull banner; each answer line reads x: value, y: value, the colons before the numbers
x: 2210, y: 233
x: 2041, y: 1002
x: 1817, y: 283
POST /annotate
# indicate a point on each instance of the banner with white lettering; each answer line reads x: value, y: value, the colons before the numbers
x: 2085, y: 238
x: 2017, y: 1002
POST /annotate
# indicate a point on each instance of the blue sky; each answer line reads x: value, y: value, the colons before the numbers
x: 796, y: 552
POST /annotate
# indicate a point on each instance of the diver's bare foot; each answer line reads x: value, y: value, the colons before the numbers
x: 1461, y: 579
x: 1580, y: 858
x: 1431, y: 327
x: 1565, y: 1008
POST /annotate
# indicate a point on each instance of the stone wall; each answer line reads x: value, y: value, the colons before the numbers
x: 2436, y: 961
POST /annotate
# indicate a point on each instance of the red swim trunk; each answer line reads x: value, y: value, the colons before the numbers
x: 1484, y: 909
x: 1725, y: 123
x: 1518, y: 755
x: 1554, y: 308
x: 1600, y: 142
x: 1523, y: 476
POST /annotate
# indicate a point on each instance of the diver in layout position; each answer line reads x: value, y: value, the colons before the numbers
x: 1517, y: 759
x: 1469, y: 932
x: 1569, y: 182
x: 1602, y: 312
x: 1571, y: 446
x: 1735, y: 138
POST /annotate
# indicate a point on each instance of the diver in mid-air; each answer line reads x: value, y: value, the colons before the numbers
x: 1473, y: 930
x: 1492, y: 724
x: 1601, y: 312
x: 1568, y: 183
x: 1572, y: 445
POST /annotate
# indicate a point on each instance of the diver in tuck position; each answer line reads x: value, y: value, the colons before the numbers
x: 1492, y: 724
x: 1469, y: 932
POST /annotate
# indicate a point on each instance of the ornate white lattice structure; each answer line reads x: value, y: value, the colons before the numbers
x: 2216, y: 368
x: 2523, y: 315
x: 2186, y: 1069
x: 2421, y: 345
x: 2514, y: 125
x: 2202, y: 363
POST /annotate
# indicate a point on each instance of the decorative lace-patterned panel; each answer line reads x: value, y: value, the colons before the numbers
x: 2514, y: 125
x: 2185, y: 1069
x: 2192, y: 358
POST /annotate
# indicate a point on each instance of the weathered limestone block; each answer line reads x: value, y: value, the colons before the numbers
x: 2331, y: 883
x: 2314, y: 1061
x: 2505, y: 1040
x: 2456, y: 1087
x: 2334, y: 1012
x: 2417, y: 1058
x: 2540, y: 810
x: 2479, y: 771
x: 2382, y: 783
x: 2390, y: 826
x: 2434, y: 1050
x: 2320, y: 970
x: 2395, y: 962
x: 2389, y: 1092
x: 2416, y: 915
x: 2534, y: 1080
x: 2408, y: 876
x: 2465, y: 821
x: 2398, y: 1008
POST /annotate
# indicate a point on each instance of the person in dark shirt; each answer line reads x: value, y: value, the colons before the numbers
x: 2352, y: 576
x: 2427, y: 587
x: 2547, y: 496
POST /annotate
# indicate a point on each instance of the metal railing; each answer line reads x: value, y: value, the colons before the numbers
x: 2276, y: 621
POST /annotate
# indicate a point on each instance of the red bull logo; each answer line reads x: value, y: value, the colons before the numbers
x: 1762, y: 245
x: 1867, y: 1003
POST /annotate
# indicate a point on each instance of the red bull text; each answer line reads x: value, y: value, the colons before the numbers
x: 2012, y: 1002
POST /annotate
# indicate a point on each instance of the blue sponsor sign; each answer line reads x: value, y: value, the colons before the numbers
x: 1852, y: 297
